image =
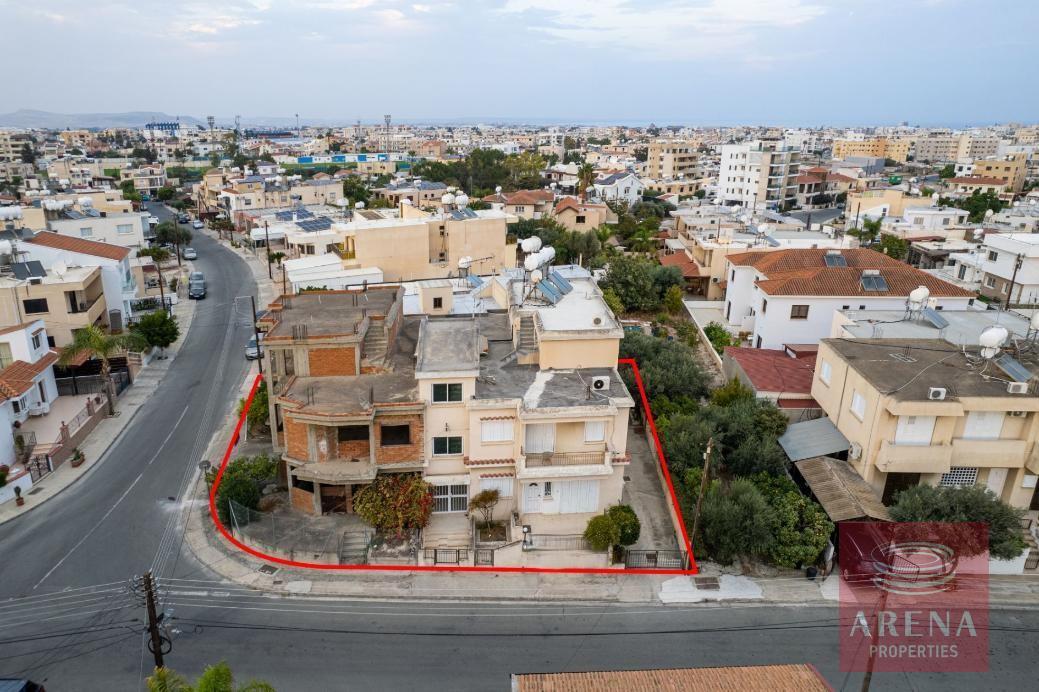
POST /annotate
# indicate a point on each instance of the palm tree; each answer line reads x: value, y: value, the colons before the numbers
x: 169, y: 232
x: 585, y: 179
x: 160, y: 255
x: 643, y: 240
x: 94, y: 342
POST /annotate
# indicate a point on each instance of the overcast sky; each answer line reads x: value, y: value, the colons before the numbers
x: 786, y: 62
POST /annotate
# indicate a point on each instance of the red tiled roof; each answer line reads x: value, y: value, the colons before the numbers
x: 682, y: 261
x: 575, y: 204
x: 17, y: 378
x: 15, y: 327
x: 524, y: 197
x: 773, y: 370
x: 847, y: 281
x: 840, y: 178
x: 808, y: 180
x: 798, y: 403
x: 80, y: 245
x: 770, y: 262
x: 976, y: 180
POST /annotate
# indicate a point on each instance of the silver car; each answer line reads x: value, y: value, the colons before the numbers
x: 189, y: 253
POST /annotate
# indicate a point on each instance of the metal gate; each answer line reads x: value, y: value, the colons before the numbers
x: 39, y: 466
x: 485, y: 557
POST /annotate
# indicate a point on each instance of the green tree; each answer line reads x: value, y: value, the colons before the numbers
x: 484, y: 502
x: 585, y: 179
x: 737, y: 522
x: 673, y: 300
x: 947, y: 171
x: 165, y: 194
x: 27, y: 154
x: 395, y: 502
x: 628, y: 524
x: 965, y: 504
x: 214, y: 159
x: 602, y: 532
x: 170, y: 233
x: 730, y: 392
x: 801, y: 530
x: 631, y: 279
x: 977, y: 203
x: 215, y: 678
x: 684, y: 437
x: 259, y: 411
x: 867, y: 235
x: 92, y: 341
x: 613, y: 302
x: 524, y: 170
x: 719, y: 337
x: 158, y: 329
x: 893, y: 246
x: 242, y: 482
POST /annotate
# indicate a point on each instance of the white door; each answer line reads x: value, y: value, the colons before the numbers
x: 997, y: 478
x: 577, y: 496
x: 983, y: 425
x: 914, y: 430
x: 532, y: 498
x: 540, y: 438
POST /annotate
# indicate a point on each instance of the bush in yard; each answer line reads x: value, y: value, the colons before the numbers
x: 627, y: 523
x: 241, y: 483
x: 158, y: 329
x: 673, y: 300
x: 259, y: 412
x: 731, y: 391
x: 737, y: 522
x: 613, y: 302
x: 484, y: 503
x: 602, y: 532
x: 719, y: 337
x: 395, y: 503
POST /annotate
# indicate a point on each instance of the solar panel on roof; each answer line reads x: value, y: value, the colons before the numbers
x: 474, y: 280
x: 772, y: 241
x: 559, y: 282
x: 1013, y: 368
x: 549, y: 291
x: 874, y: 283
x: 27, y: 270
x: 835, y: 260
x: 312, y: 225
x: 936, y: 320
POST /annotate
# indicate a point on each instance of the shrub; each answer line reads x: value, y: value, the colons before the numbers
x: 613, y: 301
x: 627, y: 523
x: 719, y: 336
x: 395, y: 502
x: 673, y: 300
x: 484, y: 503
x: 158, y: 329
x: 241, y: 483
x: 602, y: 532
x: 736, y: 522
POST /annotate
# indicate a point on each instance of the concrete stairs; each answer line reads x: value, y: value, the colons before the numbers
x: 353, y: 548
x: 527, y: 347
x: 1032, y: 560
x: 375, y: 344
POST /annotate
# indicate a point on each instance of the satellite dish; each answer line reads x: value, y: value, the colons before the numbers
x: 59, y: 268
x: 536, y: 276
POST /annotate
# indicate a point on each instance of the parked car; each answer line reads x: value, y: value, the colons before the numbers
x: 189, y: 253
x: 196, y: 285
x: 144, y: 206
x: 153, y: 220
x: 253, y: 350
x: 183, y: 218
x: 197, y: 224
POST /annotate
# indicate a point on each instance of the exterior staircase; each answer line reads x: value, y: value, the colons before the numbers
x: 375, y: 344
x: 353, y: 548
x: 527, y: 345
x: 1032, y: 560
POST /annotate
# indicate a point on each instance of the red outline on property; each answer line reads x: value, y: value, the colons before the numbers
x: 686, y: 544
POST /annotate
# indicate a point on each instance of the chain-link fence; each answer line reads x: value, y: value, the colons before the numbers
x: 328, y: 539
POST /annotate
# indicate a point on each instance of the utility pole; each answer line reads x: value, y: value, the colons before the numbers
x: 703, y: 485
x: 1013, y: 279
x: 155, y: 643
x: 267, y: 247
x: 256, y: 332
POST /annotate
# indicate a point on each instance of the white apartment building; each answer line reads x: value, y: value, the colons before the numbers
x: 759, y: 174
x: 1010, y: 267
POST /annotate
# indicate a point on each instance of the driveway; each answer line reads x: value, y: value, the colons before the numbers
x: 648, y: 496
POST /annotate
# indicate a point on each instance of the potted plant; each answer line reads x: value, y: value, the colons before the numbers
x: 77, y: 458
x: 18, y: 499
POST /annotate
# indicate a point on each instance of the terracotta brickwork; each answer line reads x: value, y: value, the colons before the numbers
x: 354, y: 449
x: 398, y: 453
x: 302, y: 500
x: 296, y: 439
x: 330, y: 362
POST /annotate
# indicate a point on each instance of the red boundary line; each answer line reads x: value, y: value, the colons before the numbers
x: 686, y: 545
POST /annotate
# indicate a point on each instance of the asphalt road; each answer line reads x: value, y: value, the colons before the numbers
x: 72, y: 625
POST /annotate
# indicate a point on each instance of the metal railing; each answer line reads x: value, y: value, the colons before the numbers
x: 547, y: 541
x: 344, y: 253
x: 446, y: 556
x: 24, y: 443
x: 536, y: 459
x: 656, y: 559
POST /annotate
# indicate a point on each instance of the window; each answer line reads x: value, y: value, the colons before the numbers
x: 825, y: 372
x: 393, y: 435
x: 519, y: 210
x: 993, y: 255
x: 443, y: 393
x: 6, y: 358
x: 19, y: 405
x: 86, y: 232
x: 352, y: 433
x: 502, y: 485
x: 447, y: 445
x: 764, y: 306
x: 37, y: 339
x: 1003, y: 288
x: 959, y: 476
x: 798, y: 312
x: 34, y: 306
x: 594, y: 431
x: 580, y: 218
x: 548, y: 489
x: 990, y: 281
x: 450, y: 498
x: 858, y: 405
x: 496, y: 431
x: 438, y: 303
x: 124, y: 229
x: 307, y: 486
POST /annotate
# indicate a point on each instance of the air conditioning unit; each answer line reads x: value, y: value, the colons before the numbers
x: 1017, y: 387
x: 1018, y: 414
x: 715, y: 280
x: 40, y: 409
x: 936, y: 393
x: 855, y: 451
x: 601, y: 383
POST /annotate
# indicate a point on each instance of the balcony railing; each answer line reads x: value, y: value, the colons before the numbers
x: 83, y: 305
x: 344, y: 253
x: 538, y: 459
x: 896, y: 458
x: 1009, y: 453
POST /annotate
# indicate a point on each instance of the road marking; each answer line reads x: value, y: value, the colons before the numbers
x: 117, y: 502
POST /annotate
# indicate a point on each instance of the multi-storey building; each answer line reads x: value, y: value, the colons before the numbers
x: 12, y: 143
x: 670, y: 159
x: 1010, y: 169
x: 525, y: 399
x: 523, y: 204
x: 146, y: 179
x: 882, y: 147
x: 759, y: 173
x: 64, y: 298
x: 1010, y: 268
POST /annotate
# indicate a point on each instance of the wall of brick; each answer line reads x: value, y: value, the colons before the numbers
x: 330, y: 362
x: 296, y: 439
x: 302, y: 500
x: 354, y: 448
x: 398, y: 453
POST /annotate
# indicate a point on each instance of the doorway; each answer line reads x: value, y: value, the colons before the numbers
x: 532, y: 495
x: 896, y: 483
x: 334, y: 499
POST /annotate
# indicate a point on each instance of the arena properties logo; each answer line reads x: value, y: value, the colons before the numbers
x: 913, y: 597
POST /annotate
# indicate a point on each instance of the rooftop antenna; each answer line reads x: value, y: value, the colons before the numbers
x: 297, y: 126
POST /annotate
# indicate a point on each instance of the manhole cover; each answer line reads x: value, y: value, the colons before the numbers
x: 707, y: 583
x: 268, y: 569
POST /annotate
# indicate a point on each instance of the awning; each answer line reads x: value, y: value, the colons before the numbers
x: 813, y: 438
x: 844, y: 494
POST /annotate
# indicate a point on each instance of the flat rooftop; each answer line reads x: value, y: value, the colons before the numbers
x: 581, y: 310
x: 907, y: 368
x: 965, y: 326
x: 448, y: 345
x: 329, y: 313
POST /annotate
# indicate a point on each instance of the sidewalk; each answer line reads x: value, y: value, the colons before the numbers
x: 267, y: 288
x: 108, y: 430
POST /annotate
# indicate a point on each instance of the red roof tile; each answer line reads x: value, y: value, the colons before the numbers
x: 80, y: 245
x: 773, y: 370
x: 976, y: 180
x: 682, y: 261
x: 796, y: 678
x: 17, y: 378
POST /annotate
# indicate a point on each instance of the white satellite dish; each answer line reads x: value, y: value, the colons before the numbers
x: 59, y: 268
x: 536, y: 276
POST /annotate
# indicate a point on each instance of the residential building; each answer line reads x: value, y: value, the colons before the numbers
x: 926, y: 411
x: 126, y: 229
x: 623, y: 186
x: 927, y: 222
x: 879, y: 203
x: 523, y: 204
x: 146, y: 179
x: 1010, y: 268
x: 11, y: 144
x: 881, y: 147
x: 682, y: 187
x: 936, y: 147
x: 759, y: 173
x: 421, y: 193
x: 964, y: 187
x: 64, y: 298
x: 117, y: 276
x: 672, y: 159
x: 790, y: 296
x: 1010, y: 169
x: 582, y: 216
x: 782, y: 376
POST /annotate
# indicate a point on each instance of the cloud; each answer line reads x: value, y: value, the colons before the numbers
x: 666, y: 30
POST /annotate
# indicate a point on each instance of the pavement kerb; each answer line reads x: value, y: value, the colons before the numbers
x: 9, y: 511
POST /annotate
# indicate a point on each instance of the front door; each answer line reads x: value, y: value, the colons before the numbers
x: 997, y: 478
x: 896, y: 483
x: 532, y: 498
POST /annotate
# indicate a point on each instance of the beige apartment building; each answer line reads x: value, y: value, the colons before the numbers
x: 672, y: 159
x: 66, y: 301
x: 882, y: 147
x: 582, y: 216
x: 889, y: 201
x: 1011, y: 169
x: 146, y: 179
x: 11, y: 143
x: 525, y: 399
x: 924, y: 411
x: 523, y: 204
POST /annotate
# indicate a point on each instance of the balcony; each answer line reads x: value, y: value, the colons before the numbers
x: 337, y: 471
x: 541, y: 464
x: 988, y: 453
x: 895, y: 458
x: 343, y: 253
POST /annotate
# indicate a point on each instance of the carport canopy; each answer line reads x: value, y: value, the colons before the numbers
x: 813, y: 438
x: 843, y: 493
